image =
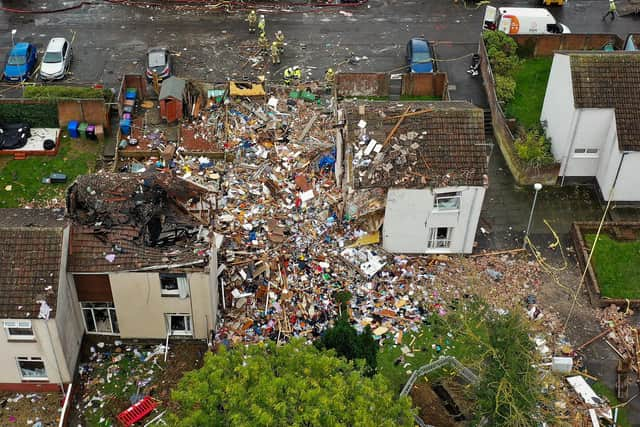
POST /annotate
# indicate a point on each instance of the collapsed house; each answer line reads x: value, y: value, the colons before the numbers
x: 140, y: 255
x: 424, y: 165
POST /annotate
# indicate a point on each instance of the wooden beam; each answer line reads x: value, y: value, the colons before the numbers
x: 395, y: 128
x: 407, y: 114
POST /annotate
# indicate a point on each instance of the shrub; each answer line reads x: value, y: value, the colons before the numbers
x: 505, y: 88
x: 64, y: 92
x: 534, y: 148
x: 500, y: 41
x: 502, y: 63
x: 43, y: 115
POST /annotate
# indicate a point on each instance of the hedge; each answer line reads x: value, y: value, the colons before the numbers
x: 63, y: 92
x: 43, y: 115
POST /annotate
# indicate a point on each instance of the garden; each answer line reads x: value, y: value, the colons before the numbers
x: 520, y: 85
x: 617, y: 266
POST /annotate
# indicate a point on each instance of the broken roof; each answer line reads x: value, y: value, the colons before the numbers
x: 172, y: 87
x: 125, y: 222
x: 436, y: 144
x: 31, y: 243
x: 610, y: 80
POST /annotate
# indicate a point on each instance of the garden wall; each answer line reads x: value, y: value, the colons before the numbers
x: 504, y: 137
x: 425, y: 84
x: 362, y: 84
x: 578, y: 230
x: 545, y: 45
x: 93, y: 111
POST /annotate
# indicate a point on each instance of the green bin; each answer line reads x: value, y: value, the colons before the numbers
x: 82, y: 129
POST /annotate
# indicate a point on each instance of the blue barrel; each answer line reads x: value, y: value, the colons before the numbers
x: 72, y: 128
x: 125, y: 126
x: 131, y: 93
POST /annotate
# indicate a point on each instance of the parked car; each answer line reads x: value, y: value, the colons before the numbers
x: 20, y: 62
x: 420, y: 56
x: 56, y: 59
x: 159, y: 62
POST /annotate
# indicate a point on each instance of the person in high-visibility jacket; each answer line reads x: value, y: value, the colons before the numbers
x: 280, y: 40
x: 329, y: 77
x: 252, y: 19
x: 297, y: 75
x: 275, y: 53
x: 263, y: 43
x: 611, y: 12
x: 262, y: 25
x: 287, y: 75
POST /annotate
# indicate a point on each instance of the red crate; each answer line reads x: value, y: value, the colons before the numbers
x: 137, y: 411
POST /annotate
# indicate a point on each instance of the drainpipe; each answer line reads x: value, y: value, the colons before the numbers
x: 615, y: 179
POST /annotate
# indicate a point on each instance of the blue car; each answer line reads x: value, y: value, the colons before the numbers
x: 420, y: 56
x: 21, y: 62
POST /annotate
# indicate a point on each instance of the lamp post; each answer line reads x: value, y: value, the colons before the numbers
x: 537, y: 186
x: 13, y: 33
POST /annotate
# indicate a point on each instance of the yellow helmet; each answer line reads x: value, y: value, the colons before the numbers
x: 330, y: 70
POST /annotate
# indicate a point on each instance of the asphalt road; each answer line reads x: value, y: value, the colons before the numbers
x: 110, y: 40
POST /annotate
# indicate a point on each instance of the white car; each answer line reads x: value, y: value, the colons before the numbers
x: 56, y: 59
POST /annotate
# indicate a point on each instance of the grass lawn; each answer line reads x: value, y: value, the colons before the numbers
x: 604, y: 391
x: 531, y: 83
x: 75, y: 157
x: 617, y: 266
x: 452, y: 338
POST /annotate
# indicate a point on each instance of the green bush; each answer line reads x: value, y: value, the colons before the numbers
x: 505, y: 88
x: 502, y: 63
x: 43, y: 115
x: 534, y: 148
x: 64, y: 92
x: 345, y: 340
x: 500, y: 41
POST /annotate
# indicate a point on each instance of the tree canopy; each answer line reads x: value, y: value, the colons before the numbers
x: 290, y: 385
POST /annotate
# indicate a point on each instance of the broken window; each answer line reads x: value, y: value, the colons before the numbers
x: 447, y: 201
x: 19, y: 330
x: 439, y: 237
x: 32, y: 368
x: 174, y: 285
x: 100, y: 318
x: 179, y: 324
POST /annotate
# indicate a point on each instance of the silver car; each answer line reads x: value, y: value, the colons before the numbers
x: 56, y: 59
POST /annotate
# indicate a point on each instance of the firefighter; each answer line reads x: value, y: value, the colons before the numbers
x: 280, y: 41
x: 252, y: 19
x: 288, y: 75
x: 297, y: 75
x: 263, y: 43
x: 262, y: 24
x: 329, y: 77
x: 611, y: 12
x: 275, y: 53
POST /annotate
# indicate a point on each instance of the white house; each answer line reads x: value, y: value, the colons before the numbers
x: 431, y: 160
x: 592, y: 113
x: 42, y: 332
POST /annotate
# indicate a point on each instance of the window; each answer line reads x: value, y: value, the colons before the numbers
x: 447, y: 201
x: 439, y: 237
x: 19, y: 330
x: 174, y: 285
x: 100, y: 318
x: 586, y: 152
x: 179, y: 324
x: 32, y: 368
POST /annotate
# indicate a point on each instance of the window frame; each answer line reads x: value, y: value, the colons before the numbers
x: 586, y: 152
x: 31, y: 359
x: 182, y: 285
x: 16, y: 324
x: 445, y: 195
x: 188, y: 332
x: 109, y: 307
x: 435, y: 243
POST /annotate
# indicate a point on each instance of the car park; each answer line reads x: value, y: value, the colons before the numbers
x: 21, y: 62
x: 158, y: 63
x: 56, y: 59
x: 419, y: 56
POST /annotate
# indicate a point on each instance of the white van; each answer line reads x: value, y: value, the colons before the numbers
x: 522, y: 20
